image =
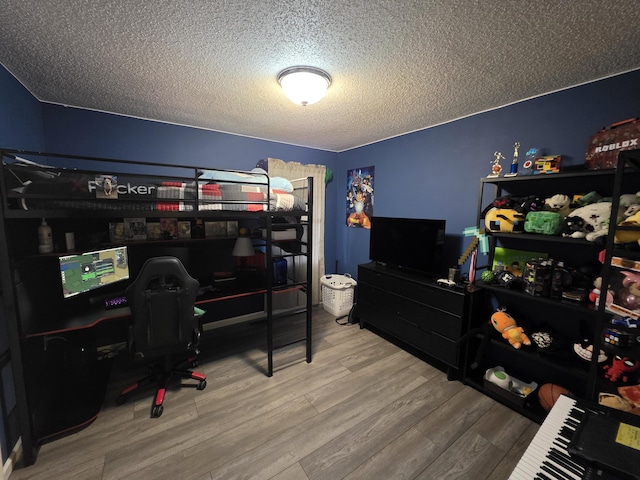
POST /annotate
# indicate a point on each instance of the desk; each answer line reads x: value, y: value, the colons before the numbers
x: 69, y: 361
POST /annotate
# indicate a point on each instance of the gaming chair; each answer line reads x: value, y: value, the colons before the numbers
x: 163, y: 324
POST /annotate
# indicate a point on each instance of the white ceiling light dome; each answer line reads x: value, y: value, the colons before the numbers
x: 304, y: 85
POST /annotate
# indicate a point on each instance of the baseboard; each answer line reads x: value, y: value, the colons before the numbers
x: 14, y: 456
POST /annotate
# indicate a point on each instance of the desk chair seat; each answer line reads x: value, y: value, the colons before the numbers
x: 163, y: 325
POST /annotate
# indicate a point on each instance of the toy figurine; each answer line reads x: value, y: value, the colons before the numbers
x: 507, y: 326
x: 529, y: 160
x: 513, y: 171
x: 496, y: 168
x: 620, y: 369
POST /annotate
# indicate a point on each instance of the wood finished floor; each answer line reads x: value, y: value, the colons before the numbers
x: 363, y: 409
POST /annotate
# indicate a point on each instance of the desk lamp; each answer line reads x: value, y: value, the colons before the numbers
x: 243, y: 248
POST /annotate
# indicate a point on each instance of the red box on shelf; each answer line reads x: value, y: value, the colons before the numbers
x: 604, y: 146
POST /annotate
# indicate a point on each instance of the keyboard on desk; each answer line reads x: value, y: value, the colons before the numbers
x: 548, y: 458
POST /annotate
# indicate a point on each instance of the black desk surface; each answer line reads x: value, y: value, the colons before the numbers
x: 93, y: 314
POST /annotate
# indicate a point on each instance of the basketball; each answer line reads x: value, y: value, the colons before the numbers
x: 549, y: 393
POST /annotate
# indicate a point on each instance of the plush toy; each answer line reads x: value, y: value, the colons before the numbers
x: 628, y: 204
x: 558, y: 203
x: 630, y: 211
x: 594, y: 295
x: 629, y: 236
x: 628, y: 199
x: 532, y: 203
x: 587, y: 198
x: 509, y: 329
x: 589, y: 222
x: 620, y: 369
x: 584, y: 350
x: 504, y: 220
x: 629, y: 295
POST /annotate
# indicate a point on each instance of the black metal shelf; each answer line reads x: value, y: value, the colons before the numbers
x: 574, y: 319
x: 578, y: 242
x: 581, y: 307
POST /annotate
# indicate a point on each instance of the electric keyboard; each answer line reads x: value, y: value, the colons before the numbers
x: 548, y: 458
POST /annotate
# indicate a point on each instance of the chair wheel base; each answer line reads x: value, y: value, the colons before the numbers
x: 202, y: 384
x: 121, y: 400
x: 156, y: 411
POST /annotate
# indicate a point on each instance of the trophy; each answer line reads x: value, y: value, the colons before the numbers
x: 513, y: 171
x: 496, y: 168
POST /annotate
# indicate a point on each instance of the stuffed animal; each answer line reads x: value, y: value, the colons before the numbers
x: 589, y: 222
x: 520, y: 204
x: 628, y: 204
x: 587, y: 198
x: 620, y: 369
x: 629, y: 236
x: 629, y: 295
x: 504, y: 220
x: 558, y: 203
x: 628, y: 199
x: 532, y: 203
x: 594, y: 295
x: 509, y: 329
x: 630, y: 211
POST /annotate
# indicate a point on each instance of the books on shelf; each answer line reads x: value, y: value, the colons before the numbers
x: 116, y: 232
x: 168, y: 228
x: 184, y: 229
x: 135, y: 228
x: 153, y: 231
x: 215, y: 229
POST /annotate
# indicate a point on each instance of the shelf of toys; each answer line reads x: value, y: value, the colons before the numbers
x: 550, y: 250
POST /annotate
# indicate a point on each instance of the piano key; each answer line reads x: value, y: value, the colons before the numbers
x: 547, y: 457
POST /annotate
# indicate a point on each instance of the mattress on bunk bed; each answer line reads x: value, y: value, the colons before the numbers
x: 37, y: 188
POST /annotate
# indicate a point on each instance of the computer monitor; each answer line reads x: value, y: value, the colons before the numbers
x: 83, y: 272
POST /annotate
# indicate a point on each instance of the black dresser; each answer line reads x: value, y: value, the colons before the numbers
x: 413, y: 309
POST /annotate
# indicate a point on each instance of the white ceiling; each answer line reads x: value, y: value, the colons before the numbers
x: 397, y: 65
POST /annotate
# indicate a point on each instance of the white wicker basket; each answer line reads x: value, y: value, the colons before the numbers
x: 337, y: 293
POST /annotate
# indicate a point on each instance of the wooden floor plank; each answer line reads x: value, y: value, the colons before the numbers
x: 316, y: 432
x: 470, y: 457
x: 355, y: 446
x: 362, y: 409
x: 403, y: 458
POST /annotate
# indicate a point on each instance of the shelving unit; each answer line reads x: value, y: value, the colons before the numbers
x: 569, y: 322
x: 45, y: 329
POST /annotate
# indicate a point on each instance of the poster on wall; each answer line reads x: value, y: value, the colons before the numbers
x: 360, y: 197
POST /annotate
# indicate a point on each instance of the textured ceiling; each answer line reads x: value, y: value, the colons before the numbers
x: 397, y: 65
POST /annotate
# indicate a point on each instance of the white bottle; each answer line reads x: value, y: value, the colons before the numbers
x: 45, y: 237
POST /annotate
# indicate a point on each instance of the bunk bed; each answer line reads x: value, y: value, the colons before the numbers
x: 85, y: 194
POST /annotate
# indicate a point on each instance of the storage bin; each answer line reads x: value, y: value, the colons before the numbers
x: 337, y: 293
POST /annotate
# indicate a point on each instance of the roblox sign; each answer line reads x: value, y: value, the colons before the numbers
x: 604, y: 146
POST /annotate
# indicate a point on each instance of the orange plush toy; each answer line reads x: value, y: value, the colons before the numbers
x: 509, y: 329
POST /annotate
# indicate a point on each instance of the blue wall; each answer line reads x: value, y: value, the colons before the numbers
x: 434, y: 173
x: 21, y: 127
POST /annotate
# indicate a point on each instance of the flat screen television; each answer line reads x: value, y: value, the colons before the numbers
x: 414, y: 244
x: 83, y: 272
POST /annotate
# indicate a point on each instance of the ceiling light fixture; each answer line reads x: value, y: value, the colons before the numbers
x: 304, y: 85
